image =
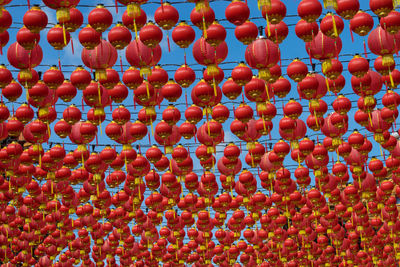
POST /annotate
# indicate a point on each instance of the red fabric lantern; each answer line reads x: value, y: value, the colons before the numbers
x: 183, y: 35
x: 262, y: 54
x: 141, y: 56
x: 24, y: 59
x: 119, y: 36
x: 100, y: 18
x: 100, y: 58
x: 246, y: 32
x: 35, y: 19
x: 237, y: 12
x: 362, y: 23
x: 309, y: 10
x: 209, y: 56
x: 27, y: 39
x: 166, y: 16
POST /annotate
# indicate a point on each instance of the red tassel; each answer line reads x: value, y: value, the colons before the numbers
x: 59, y: 64
x: 169, y: 46
x: 186, y: 98
x: 1, y: 50
x: 149, y: 138
x: 184, y: 54
x: 116, y: 6
x: 72, y: 46
x: 120, y: 63
x: 365, y: 49
x: 351, y: 34
x: 29, y: 4
x: 83, y: 107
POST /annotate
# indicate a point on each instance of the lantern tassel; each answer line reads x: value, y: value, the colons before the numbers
x: 64, y: 35
x: 116, y: 6
x: 29, y: 4
x: 168, y: 42
x: 204, y: 28
x: 351, y: 34
x: 387, y: 60
x: 396, y: 3
x: 133, y: 10
x: 334, y: 25
x: 120, y: 63
x: 332, y: 4
x: 365, y: 49
x: 261, y: 3
x: 72, y: 46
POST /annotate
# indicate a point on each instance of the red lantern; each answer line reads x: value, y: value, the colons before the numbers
x: 277, y: 32
x: 171, y: 91
x: 141, y: 56
x: 35, y: 19
x: 100, y: 18
x: 119, y: 36
x: 209, y: 56
x: 53, y: 77
x: 184, y: 76
x: 347, y: 8
x: 231, y: 89
x: 362, y: 23
x: 100, y: 58
x: 166, y: 16
x: 80, y: 78
x: 74, y: 21
x: 150, y: 35
x: 262, y: 54
x: 57, y: 37
x: 27, y: 39
x: 246, y: 32
x: 323, y: 47
x: 332, y: 25
x: 23, y: 59
x: 237, y: 12
x: 381, y: 8
x: 66, y: 91
x: 12, y: 91
x: 383, y: 44
x: 306, y: 31
x: 183, y: 35
x: 309, y: 10
x: 274, y: 12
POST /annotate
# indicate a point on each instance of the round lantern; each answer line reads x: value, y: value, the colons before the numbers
x: 207, y: 55
x: 100, y: 58
x: 262, y: 54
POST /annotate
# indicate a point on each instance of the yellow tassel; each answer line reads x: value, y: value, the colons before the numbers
x: 268, y: 26
x: 326, y: 65
x: 25, y: 74
x: 215, y: 87
x: 100, y: 74
x: 370, y: 118
x: 145, y: 71
x: 330, y: 4
x: 327, y: 85
x: 391, y: 80
x: 334, y: 26
x: 204, y: 28
x: 212, y: 70
x: 262, y: 3
x: 147, y: 90
x: 202, y: 6
x: 151, y: 126
x: 135, y: 28
x: 64, y: 35
x: 133, y: 10
x: 62, y: 14
x: 396, y: 3
x: 264, y: 74
x: 387, y: 60
x: 266, y: 90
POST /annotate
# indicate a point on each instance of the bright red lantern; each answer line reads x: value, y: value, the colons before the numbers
x: 57, y: 37
x: 35, y: 19
x: 100, y: 18
x: 309, y: 10
x: 27, y: 39
x: 381, y: 7
x: 183, y: 35
x: 347, y: 8
x: 262, y: 54
x: 119, y: 36
x: 362, y: 23
x: 209, y: 56
x: 237, y: 12
x: 247, y: 32
x: 100, y: 58
x: 166, y: 16
x: 141, y: 56
x: 150, y: 35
